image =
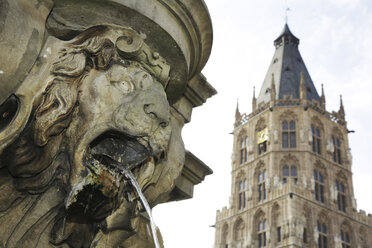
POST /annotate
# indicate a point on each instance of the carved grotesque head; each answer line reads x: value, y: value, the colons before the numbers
x: 103, y: 112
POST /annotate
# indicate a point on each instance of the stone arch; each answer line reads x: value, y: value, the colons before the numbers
x: 315, y: 120
x: 258, y: 219
x: 347, y: 230
x: 337, y: 131
x: 224, y: 233
x: 260, y: 124
x: 308, y: 230
x: 316, y: 136
x: 242, y: 132
x: 242, y: 141
x: 260, y: 167
x: 241, y: 175
x: 321, y: 167
x: 288, y: 115
x: 238, y: 229
x: 274, y: 222
x: 363, y: 238
x: 337, y: 146
x: 293, y: 165
x: 323, y: 219
x: 259, y: 181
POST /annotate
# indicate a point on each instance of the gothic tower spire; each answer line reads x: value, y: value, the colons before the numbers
x: 286, y: 67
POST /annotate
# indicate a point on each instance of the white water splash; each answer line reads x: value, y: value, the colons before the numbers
x: 145, y: 204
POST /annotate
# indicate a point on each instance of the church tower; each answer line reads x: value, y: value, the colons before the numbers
x: 291, y: 167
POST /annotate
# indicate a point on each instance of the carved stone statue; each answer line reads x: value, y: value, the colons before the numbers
x: 93, y: 110
x: 99, y: 114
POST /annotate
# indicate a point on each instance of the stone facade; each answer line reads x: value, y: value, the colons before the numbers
x: 291, y: 171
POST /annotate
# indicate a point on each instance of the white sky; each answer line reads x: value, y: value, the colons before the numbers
x: 336, y: 45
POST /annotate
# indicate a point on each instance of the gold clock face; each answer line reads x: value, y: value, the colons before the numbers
x: 262, y: 136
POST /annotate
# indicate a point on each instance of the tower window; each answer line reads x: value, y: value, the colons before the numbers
x: 337, y: 150
x: 243, y: 150
x: 289, y: 134
x: 289, y: 172
x: 322, y: 239
x: 241, y: 194
x: 341, y: 196
x: 316, y: 145
x: 279, y: 234
x: 319, y: 186
x: 262, y: 233
x: 261, y: 186
x: 345, y: 239
x: 304, y: 236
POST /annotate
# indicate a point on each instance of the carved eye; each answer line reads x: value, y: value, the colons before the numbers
x: 124, y: 86
x: 144, y: 79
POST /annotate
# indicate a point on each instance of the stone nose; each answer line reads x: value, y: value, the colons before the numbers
x: 158, y: 111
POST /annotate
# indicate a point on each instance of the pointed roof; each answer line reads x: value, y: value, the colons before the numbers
x: 285, y: 70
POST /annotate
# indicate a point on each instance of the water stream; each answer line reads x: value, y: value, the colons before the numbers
x: 133, y: 180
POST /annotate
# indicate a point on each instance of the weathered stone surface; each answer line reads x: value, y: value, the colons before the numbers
x: 93, y: 98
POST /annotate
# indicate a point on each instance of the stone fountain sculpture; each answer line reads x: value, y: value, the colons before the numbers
x: 92, y: 91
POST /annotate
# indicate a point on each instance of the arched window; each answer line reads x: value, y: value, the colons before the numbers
x: 363, y: 238
x: 322, y: 238
x: 319, y: 186
x: 243, y: 150
x: 345, y: 239
x: 261, y: 233
x: 289, y: 172
x: 241, y: 194
x: 261, y: 185
x: 337, y: 150
x: 225, y: 233
x: 289, y: 134
x: 238, y: 230
x: 316, y: 144
x: 341, y: 196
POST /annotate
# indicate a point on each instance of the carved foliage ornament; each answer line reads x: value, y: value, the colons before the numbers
x: 103, y: 109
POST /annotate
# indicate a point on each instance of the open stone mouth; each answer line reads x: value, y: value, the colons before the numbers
x: 117, y: 151
x: 109, y: 158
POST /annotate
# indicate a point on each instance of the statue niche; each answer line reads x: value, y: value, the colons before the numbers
x: 103, y: 110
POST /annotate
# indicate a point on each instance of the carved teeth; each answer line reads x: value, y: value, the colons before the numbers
x: 145, y: 173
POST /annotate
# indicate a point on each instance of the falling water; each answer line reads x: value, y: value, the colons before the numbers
x: 145, y: 204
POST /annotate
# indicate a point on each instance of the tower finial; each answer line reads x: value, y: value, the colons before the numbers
x: 302, y: 86
x: 322, y: 99
x: 237, y: 113
x: 254, y: 100
x: 341, y: 111
x: 272, y: 88
x: 286, y: 15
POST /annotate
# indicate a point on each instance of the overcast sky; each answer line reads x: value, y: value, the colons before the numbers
x: 336, y: 46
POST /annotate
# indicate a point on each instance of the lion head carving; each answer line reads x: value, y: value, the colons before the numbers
x: 103, y: 111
